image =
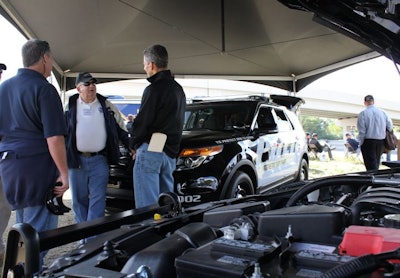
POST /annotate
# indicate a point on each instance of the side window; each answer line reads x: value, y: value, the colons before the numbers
x: 265, y: 119
x: 188, y: 121
x: 282, y: 121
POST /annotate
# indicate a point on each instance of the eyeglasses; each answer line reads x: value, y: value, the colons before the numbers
x: 88, y: 83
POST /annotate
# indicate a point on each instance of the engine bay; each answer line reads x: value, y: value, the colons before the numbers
x: 339, y: 226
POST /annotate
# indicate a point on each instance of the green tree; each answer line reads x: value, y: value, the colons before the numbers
x: 324, y: 127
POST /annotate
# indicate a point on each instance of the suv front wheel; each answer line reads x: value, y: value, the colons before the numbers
x: 240, y: 186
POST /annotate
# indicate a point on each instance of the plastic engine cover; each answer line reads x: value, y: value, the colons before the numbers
x: 313, y: 223
x: 160, y: 257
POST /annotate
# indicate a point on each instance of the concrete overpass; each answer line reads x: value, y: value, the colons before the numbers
x: 342, y: 106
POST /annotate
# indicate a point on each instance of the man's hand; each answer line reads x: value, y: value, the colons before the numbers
x: 62, y: 186
x: 133, y: 153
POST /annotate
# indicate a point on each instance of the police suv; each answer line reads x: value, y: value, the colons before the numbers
x: 229, y: 149
x: 238, y: 147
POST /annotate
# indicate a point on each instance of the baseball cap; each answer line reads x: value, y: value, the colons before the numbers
x: 368, y: 98
x: 84, y: 77
x: 3, y: 67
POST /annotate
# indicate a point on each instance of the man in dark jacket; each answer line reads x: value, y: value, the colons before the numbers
x: 352, y: 142
x: 160, y: 118
x: 321, y: 147
x: 95, y: 128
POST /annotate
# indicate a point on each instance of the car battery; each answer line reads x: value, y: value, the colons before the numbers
x: 363, y: 240
x: 226, y: 258
x: 313, y: 223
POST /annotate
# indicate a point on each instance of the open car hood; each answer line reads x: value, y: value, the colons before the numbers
x: 375, y: 23
x: 249, y: 40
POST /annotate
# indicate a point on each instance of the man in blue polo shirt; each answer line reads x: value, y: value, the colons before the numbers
x: 32, y: 149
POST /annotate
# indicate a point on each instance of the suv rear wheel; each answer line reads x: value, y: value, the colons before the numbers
x: 241, y: 185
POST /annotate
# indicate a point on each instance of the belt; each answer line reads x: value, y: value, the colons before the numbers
x: 88, y: 154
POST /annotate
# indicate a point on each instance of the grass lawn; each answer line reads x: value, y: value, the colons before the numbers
x: 340, y: 165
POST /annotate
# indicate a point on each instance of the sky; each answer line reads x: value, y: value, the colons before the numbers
x: 378, y: 76
x: 10, y: 48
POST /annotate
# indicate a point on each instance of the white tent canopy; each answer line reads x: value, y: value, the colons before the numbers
x: 261, y: 41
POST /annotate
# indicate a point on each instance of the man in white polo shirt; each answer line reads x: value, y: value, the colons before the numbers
x: 95, y: 128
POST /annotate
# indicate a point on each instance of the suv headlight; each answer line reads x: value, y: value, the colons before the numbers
x: 194, y: 157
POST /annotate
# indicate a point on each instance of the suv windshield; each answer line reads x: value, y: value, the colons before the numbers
x: 218, y: 116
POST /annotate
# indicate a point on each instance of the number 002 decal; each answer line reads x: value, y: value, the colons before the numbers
x: 190, y: 199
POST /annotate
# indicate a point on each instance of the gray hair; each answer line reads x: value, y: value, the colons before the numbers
x: 157, y: 54
x: 33, y: 50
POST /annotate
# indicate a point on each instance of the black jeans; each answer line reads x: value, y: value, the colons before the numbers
x: 372, y: 150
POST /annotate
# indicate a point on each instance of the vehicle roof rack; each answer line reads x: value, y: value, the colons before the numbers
x: 227, y: 98
x: 259, y: 98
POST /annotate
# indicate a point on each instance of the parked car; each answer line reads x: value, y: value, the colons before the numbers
x: 126, y: 106
x: 229, y: 149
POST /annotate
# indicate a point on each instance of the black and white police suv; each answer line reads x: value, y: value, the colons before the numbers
x: 229, y: 149
x: 238, y: 147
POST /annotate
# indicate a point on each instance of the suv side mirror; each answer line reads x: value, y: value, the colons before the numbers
x: 269, y: 129
x: 266, y: 129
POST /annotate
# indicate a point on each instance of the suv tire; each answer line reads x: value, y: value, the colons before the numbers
x: 241, y: 185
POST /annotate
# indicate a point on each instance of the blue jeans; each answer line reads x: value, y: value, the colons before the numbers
x: 152, y: 175
x: 40, y: 218
x: 5, y: 212
x: 88, y: 188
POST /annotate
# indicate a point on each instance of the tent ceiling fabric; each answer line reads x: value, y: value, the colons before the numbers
x: 250, y: 40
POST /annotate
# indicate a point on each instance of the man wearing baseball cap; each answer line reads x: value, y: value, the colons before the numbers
x: 5, y: 210
x: 2, y: 67
x: 95, y: 128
